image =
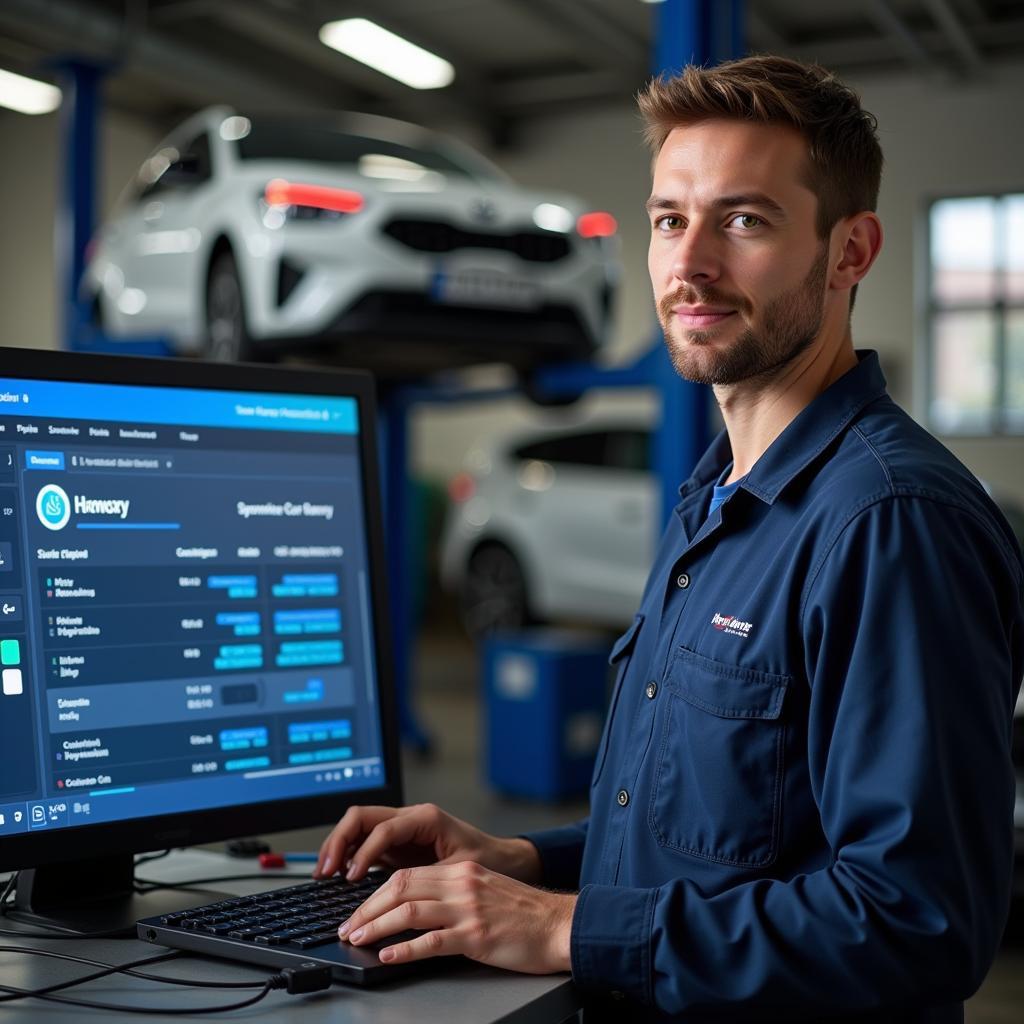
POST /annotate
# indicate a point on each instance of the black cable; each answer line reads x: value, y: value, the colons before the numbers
x: 144, y: 885
x: 55, y: 931
x: 107, y: 969
x: 297, y: 980
x: 123, y: 1008
x: 128, y: 968
x: 8, y: 889
x: 146, y: 858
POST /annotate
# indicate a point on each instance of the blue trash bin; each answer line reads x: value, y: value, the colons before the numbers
x: 544, y: 705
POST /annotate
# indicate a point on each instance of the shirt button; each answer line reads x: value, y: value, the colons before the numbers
x: 623, y: 798
x: 652, y: 690
x: 683, y: 581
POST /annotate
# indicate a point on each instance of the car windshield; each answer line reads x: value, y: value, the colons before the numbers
x: 269, y: 138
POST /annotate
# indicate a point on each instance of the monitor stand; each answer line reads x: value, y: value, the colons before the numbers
x: 96, y: 896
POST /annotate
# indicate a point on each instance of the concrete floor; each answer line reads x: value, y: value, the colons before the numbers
x: 448, y: 707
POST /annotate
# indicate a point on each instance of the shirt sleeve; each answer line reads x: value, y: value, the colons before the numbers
x: 561, y: 853
x: 912, y: 630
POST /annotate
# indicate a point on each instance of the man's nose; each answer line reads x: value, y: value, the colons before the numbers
x: 696, y: 258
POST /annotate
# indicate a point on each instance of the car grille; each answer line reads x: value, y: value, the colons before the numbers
x: 437, y: 236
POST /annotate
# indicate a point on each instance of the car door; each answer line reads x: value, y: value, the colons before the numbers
x: 594, y: 523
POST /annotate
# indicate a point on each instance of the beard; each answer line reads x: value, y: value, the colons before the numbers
x: 790, y: 323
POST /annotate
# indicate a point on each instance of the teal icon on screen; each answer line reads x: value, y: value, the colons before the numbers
x: 10, y: 652
x: 53, y: 507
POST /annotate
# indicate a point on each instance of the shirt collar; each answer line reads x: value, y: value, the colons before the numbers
x: 814, y: 428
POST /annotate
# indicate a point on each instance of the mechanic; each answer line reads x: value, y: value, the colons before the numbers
x: 802, y: 803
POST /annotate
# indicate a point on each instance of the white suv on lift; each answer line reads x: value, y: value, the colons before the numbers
x: 375, y: 241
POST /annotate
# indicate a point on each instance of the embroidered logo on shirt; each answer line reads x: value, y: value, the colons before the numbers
x: 730, y: 624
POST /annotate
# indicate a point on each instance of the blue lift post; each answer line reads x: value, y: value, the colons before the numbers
x: 394, y: 423
x: 81, y: 104
x: 687, y: 31
x: 76, y: 212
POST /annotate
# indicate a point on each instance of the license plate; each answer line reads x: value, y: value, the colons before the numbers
x: 484, y: 288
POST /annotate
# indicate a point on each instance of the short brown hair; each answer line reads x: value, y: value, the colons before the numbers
x: 844, y: 157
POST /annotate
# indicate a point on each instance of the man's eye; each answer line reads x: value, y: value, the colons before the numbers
x: 669, y: 223
x: 747, y: 221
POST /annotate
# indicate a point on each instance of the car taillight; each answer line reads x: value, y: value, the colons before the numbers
x: 596, y: 224
x: 461, y: 488
x: 293, y: 195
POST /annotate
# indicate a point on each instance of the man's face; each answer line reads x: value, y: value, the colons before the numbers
x: 738, y: 269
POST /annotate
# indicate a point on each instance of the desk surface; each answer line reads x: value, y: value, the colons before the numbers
x: 464, y: 994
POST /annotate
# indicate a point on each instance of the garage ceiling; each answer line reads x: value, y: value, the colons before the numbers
x: 514, y: 59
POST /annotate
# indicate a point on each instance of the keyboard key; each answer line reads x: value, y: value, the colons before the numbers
x: 215, y: 929
x: 319, y: 939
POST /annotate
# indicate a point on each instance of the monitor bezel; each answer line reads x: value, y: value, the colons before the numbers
x: 22, y: 850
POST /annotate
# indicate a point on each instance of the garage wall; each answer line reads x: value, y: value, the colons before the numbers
x: 29, y: 183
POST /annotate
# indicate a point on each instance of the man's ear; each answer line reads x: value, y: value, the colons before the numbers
x: 860, y: 240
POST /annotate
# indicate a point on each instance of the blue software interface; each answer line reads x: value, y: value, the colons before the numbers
x: 184, y: 602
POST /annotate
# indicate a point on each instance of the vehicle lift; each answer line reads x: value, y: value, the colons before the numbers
x: 687, y: 31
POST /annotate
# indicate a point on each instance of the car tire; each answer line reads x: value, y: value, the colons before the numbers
x: 226, y: 338
x: 494, y: 594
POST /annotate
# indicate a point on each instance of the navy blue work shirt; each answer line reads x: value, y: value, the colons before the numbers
x: 802, y: 805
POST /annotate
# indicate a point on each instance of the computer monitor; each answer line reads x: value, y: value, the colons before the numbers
x: 192, y: 614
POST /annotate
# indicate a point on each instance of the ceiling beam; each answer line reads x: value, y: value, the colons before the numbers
x: 605, y: 44
x: 949, y: 21
x: 538, y: 90
x: 977, y: 15
x: 893, y: 26
x: 193, y: 75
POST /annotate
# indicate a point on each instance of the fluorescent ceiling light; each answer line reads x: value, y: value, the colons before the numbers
x: 26, y: 95
x: 368, y: 43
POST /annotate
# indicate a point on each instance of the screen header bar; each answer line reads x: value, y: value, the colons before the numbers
x: 124, y: 403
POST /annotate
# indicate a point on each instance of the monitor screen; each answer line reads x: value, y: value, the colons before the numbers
x: 188, y: 586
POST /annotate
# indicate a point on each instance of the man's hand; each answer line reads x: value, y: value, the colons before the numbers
x: 424, y: 834
x: 466, y: 908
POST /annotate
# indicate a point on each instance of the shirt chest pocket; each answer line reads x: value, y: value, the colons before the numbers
x: 717, y: 787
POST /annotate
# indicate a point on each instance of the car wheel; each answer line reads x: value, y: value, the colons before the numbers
x: 494, y: 594
x: 227, y: 340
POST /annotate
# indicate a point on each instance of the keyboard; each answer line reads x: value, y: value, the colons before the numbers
x: 282, y: 928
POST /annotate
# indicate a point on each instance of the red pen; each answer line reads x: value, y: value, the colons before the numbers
x: 278, y: 860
